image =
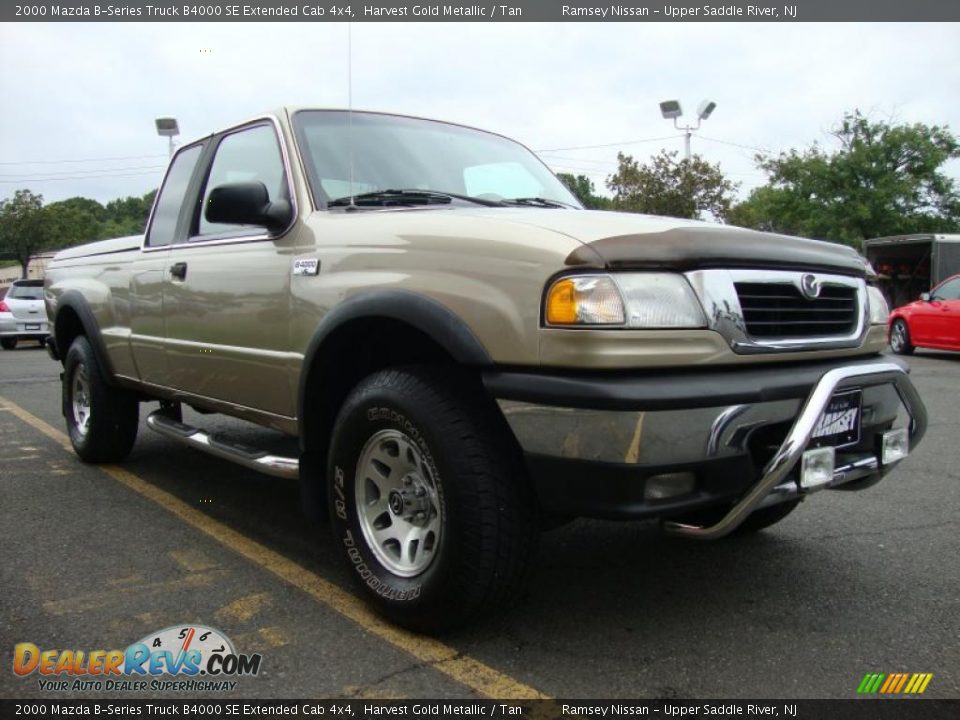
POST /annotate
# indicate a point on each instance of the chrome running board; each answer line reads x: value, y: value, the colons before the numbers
x: 248, y: 457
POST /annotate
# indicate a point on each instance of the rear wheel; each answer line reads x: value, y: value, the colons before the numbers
x: 8, y: 343
x: 900, y: 338
x: 101, y: 420
x: 428, y: 501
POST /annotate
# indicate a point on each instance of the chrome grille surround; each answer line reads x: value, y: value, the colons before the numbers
x: 717, y: 291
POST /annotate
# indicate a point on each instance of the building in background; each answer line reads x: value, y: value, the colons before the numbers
x: 36, y: 270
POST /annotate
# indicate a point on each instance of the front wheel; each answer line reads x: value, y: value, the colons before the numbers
x: 8, y: 343
x: 427, y: 499
x: 900, y: 338
x: 101, y: 420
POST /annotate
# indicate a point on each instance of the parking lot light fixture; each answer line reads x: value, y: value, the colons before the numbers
x: 167, y: 127
x: 671, y: 110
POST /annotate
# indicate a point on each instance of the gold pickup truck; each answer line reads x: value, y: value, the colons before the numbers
x: 467, y: 356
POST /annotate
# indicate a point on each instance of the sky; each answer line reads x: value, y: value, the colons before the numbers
x: 79, y: 100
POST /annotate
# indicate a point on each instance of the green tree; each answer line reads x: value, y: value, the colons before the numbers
x: 881, y: 179
x: 128, y: 216
x: 669, y: 186
x: 583, y: 188
x: 76, y: 220
x: 25, y: 227
x: 79, y: 220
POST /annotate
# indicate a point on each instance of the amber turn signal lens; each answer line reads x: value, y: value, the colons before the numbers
x: 562, y: 303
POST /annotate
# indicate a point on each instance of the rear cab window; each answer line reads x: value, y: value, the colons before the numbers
x: 166, y: 213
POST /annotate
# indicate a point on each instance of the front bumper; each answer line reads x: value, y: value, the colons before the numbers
x: 665, y: 444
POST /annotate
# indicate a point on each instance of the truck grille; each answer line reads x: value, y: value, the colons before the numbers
x: 779, y: 310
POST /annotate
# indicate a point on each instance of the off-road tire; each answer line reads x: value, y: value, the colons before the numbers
x: 8, y: 343
x: 900, y: 338
x: 486, y: 511
x: 112, y: 414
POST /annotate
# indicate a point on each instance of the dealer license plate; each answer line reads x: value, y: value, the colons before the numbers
x: 31, y: 326
x: 840, y: 423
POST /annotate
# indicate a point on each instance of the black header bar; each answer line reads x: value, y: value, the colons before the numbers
x: 482, y: 11
x: 220, y: 707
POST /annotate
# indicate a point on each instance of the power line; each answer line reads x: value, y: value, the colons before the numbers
x: 78, y: 177
x: 80, y: 173
x: 77, y: 160
x: 606, y: 145
x: 588, y: 161
x: 734, y: 144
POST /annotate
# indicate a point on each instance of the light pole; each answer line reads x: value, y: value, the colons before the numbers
x: 167, y: 127
x: 671, y: 110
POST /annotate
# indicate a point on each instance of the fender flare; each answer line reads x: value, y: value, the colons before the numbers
x: 75, y: 300
x: 425, y: 314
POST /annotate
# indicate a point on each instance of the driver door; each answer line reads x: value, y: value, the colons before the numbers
x: 946, y: 319
x: 226, y: 294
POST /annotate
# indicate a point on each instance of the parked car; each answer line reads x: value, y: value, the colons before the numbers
x: 22, y: 314
x: 932, y: 322
x: 467, y: 355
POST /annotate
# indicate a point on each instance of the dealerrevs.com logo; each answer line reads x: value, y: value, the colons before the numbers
x: 202, y: 659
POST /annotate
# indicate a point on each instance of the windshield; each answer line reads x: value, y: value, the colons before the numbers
x: 391, y: 152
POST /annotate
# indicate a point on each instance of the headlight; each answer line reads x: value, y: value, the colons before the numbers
x: 633, y: 300
x: 660, y: 300
x: 879, y: 310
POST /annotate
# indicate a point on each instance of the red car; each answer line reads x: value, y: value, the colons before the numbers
x: 933, y: 321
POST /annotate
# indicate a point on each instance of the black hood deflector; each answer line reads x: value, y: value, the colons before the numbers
x: 710, y: 247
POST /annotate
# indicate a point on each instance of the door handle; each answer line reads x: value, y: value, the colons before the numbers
x: 179, y: 270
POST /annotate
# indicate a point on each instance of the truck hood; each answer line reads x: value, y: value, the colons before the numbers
x: 101, y: 247
x: 628, y: 240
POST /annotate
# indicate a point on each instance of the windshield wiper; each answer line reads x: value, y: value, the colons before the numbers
x: 406, y: 197
x: 538, y: 202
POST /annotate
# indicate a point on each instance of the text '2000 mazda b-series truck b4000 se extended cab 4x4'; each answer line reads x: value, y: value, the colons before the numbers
x: 466, y: 355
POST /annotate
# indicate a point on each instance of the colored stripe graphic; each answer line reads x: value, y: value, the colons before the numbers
x: 922, y: 683
x: 871, y: 683
x: 900, y: 683
x: 894, y: 683
x: 891, y: 680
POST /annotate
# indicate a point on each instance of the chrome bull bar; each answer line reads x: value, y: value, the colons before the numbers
x: 790, y: 451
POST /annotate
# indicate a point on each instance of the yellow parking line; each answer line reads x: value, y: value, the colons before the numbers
x: 467, y: 671
x: 244, y: 608
x: 633, y: 450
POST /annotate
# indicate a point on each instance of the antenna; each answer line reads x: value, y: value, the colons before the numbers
x: 350, y: 105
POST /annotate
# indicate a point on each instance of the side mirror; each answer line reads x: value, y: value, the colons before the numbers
x: 247, y: 203
x: 925, y: 297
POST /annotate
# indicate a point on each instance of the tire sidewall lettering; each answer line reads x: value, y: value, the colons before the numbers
x: 369, y: 570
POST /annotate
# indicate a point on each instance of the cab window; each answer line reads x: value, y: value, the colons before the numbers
x: 167, y: 210
x: 248, y: 155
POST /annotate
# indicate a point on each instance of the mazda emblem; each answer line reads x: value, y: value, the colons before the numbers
x: 810, y: 286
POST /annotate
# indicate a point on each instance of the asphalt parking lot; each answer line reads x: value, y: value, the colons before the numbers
x: 98, y: 557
